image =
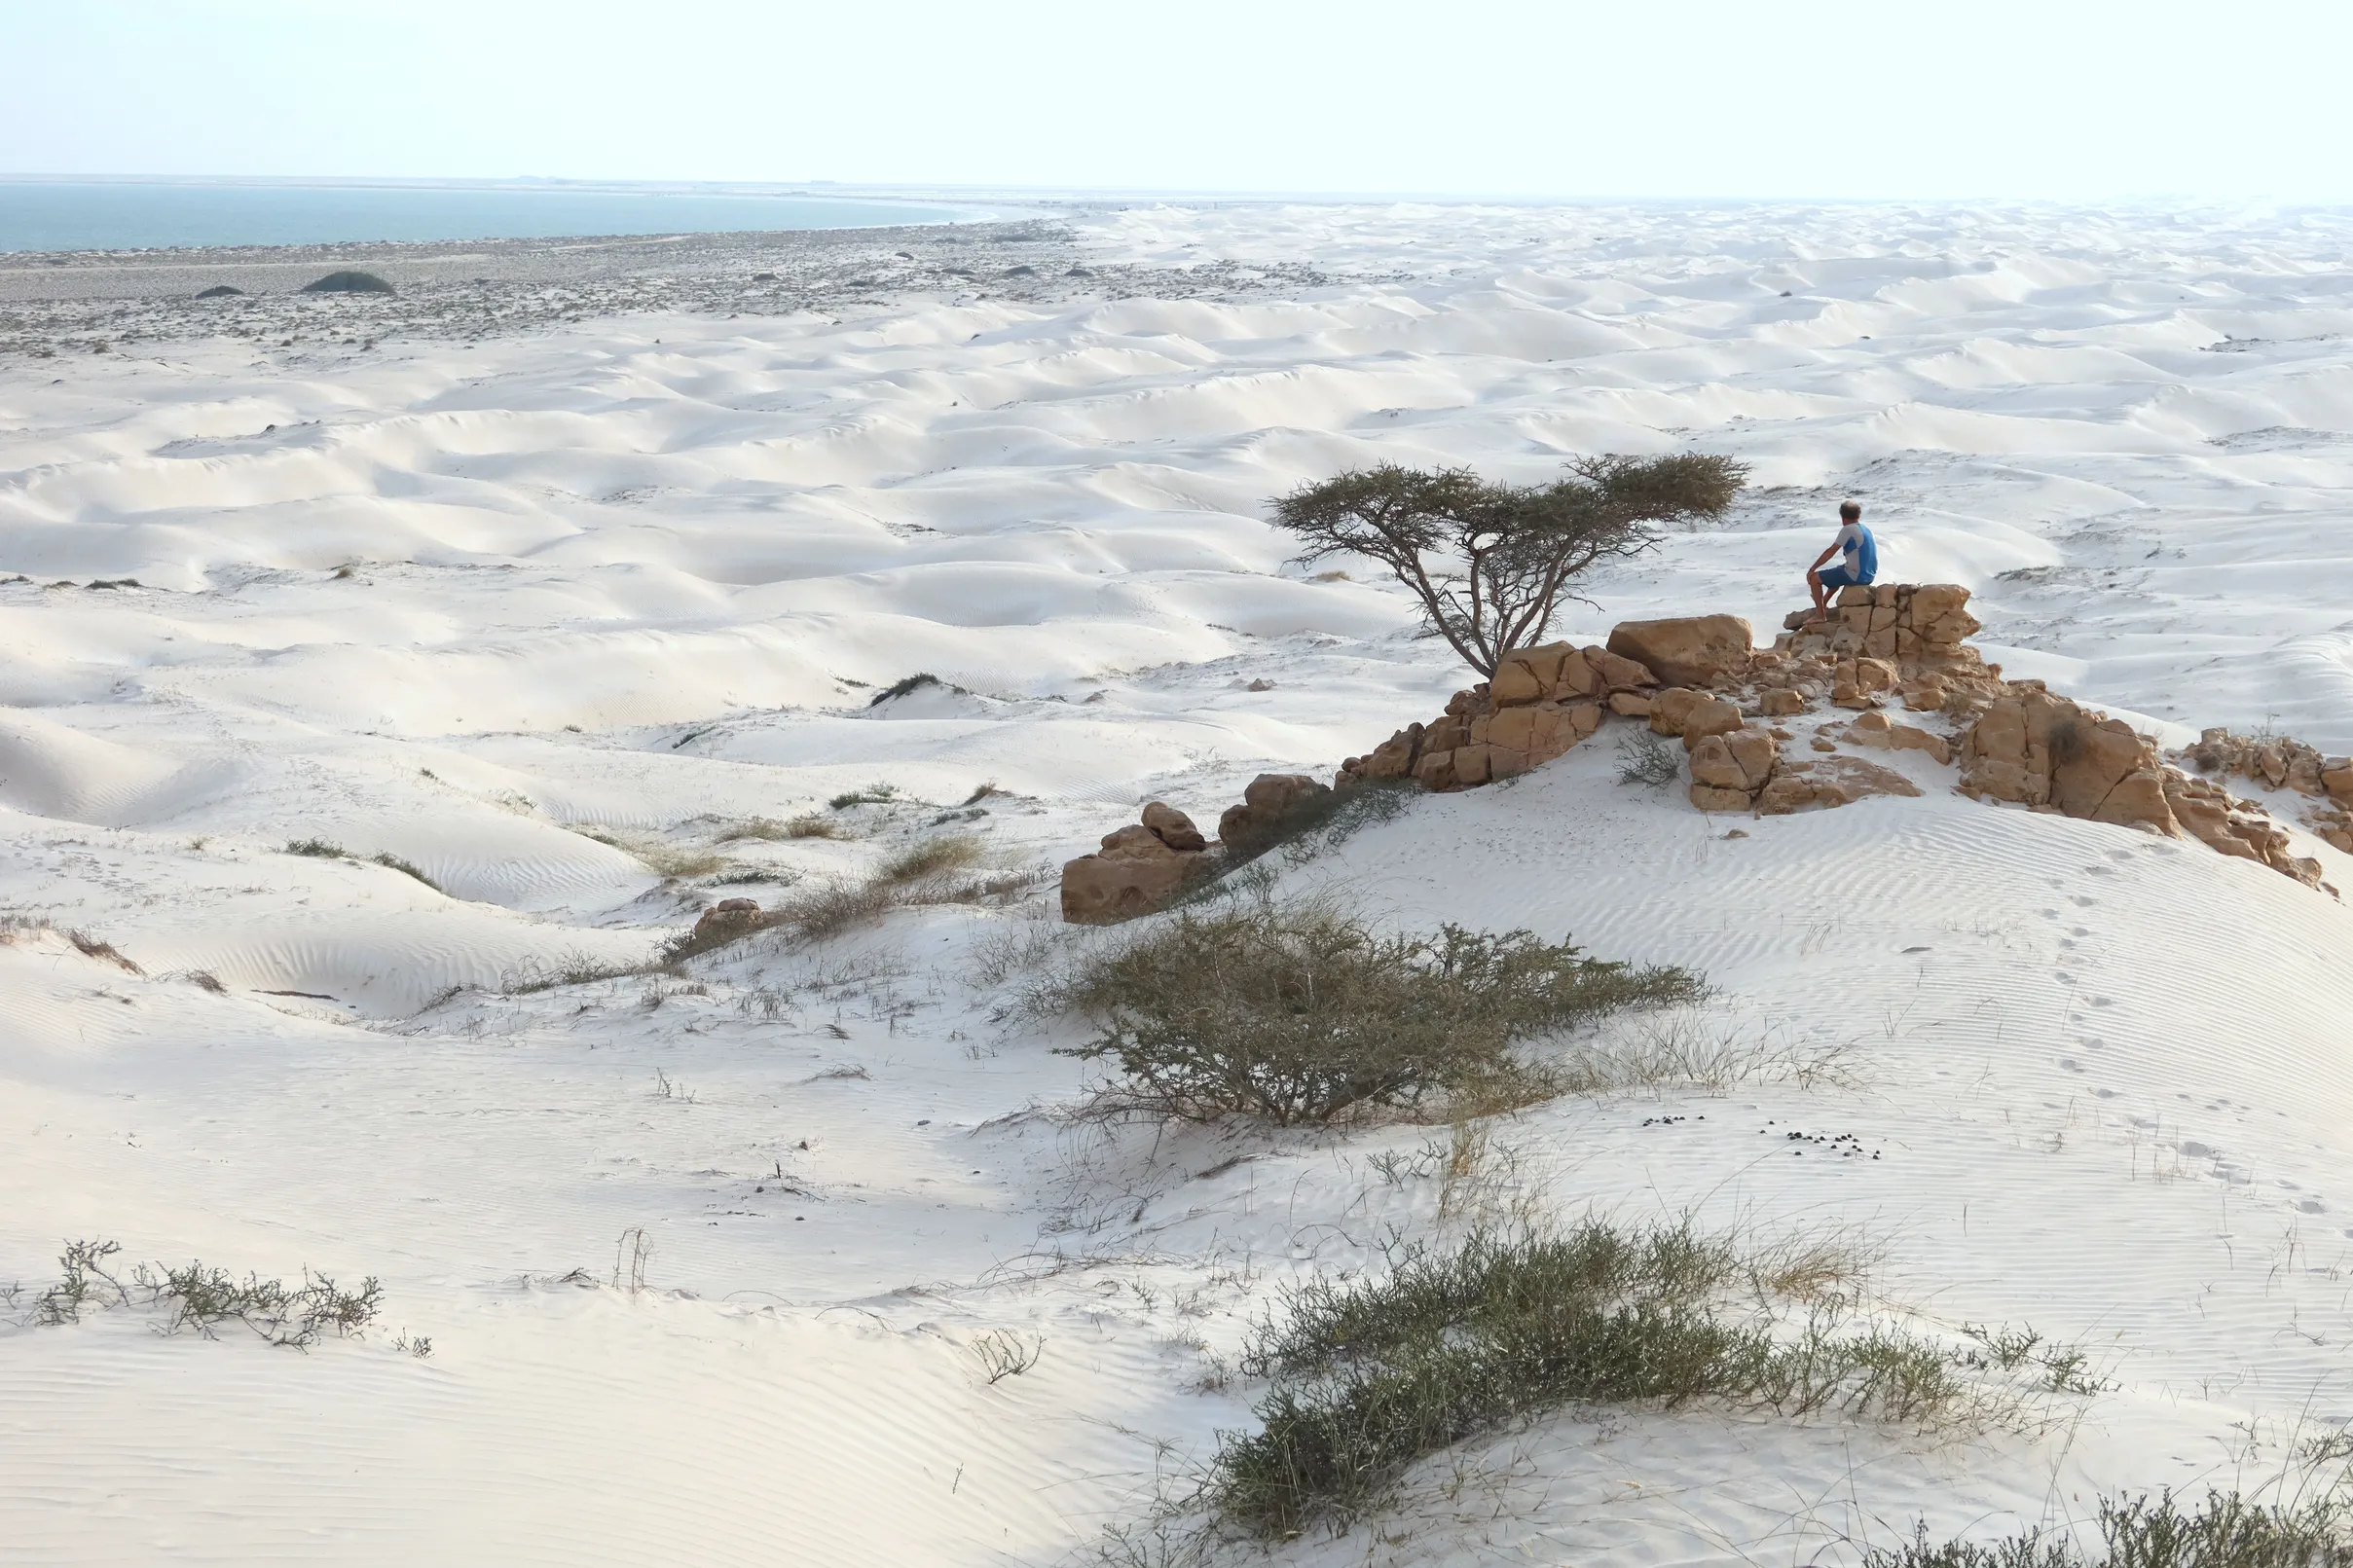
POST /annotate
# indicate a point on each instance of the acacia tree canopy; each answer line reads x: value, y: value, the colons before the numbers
x: 1506, y: 553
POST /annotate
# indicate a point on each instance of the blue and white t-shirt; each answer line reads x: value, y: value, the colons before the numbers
x: 1857, y: 552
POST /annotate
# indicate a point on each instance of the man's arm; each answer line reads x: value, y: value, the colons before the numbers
x: 1822, y: 559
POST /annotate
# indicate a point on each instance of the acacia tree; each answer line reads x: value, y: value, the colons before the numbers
x: 1508, y: 552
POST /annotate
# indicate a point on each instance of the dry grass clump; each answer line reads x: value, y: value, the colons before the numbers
x: 808, y: 824
x: 931, y: 871
x: 2225, y: 1531
x: 90, y: 946
x: 1369, y: 1375
x: 318, y: 849
x: 1301, y: 1013
x: 393, y: 862
x: 571, y: 969
x: 202, y: 1298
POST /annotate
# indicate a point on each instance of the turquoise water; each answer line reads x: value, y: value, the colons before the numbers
x: 48, y: 215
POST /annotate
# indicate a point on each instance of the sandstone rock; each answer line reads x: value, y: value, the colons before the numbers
x: 1630, y: 705
x: 1782, y: 702
x: 1134, y: 842
x: 1829, y: 782
x: 1669, y: 708
x: 1878, y: 729
x: 1617, y: 673
x: 1713, y: 766
x: 1267, y: 802
x: 1174, y: 827
x: 1710, y: 715
x: 1696, y: 651
x: 1578, y: 678
x: 1708, y: 798
x: 1435, y: 769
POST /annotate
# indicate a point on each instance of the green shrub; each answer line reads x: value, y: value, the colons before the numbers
x: 1302, y: 1014
x: 317, y: 847
x: 1369, y: 1375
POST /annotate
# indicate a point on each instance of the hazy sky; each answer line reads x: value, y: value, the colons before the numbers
x: 2071, y: 98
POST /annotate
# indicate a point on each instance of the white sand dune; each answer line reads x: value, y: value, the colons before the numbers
x: 554, y: 616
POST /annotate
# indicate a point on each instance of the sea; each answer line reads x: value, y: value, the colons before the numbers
x: 127, y: 215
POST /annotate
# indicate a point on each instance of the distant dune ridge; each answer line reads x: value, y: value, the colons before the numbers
x: 388, y: 681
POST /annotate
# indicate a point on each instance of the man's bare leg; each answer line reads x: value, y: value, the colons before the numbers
x: 1822, y: 596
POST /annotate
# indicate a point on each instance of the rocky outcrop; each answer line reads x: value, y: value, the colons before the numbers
x: 2282, y: 762
x: 1543, y: 701
x: 2045, y: 751
x: 1139, y: 868
x: 1699, y: 680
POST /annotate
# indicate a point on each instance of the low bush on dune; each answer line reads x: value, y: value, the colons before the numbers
x: 766, y: 830
x: 1368, y: 1377
x: 1302, y: 1014
x: 2225, y: 1531
x: 318, y: 849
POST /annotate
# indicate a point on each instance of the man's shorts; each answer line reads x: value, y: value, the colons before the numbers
x: 1840, y: 577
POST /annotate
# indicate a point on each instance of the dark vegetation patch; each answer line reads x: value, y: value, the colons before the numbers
x: 1302, y: 1014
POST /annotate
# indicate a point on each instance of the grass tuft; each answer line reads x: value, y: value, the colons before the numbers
x: 902, y: 688
x: 395, y: 862
x: 2225, y: 1531
x: 934, y: 856
x: 1302, y: 1014
x: 318, y: 848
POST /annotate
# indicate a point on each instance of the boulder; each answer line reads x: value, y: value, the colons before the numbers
x: 1780, y: 702
x: 1706, y: 797
x: 1267, y: 802
x: 1696, y: 651
x: 1098, y: 890
x: 727, y: 920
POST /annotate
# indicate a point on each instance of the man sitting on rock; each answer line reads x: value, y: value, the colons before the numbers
x: 1861, y: 563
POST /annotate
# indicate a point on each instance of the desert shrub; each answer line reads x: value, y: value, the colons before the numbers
x: 1513, y: 550
x: 1301, y: 1013
x: 1647, y: 757
x: 2225, y: 1531
x: 1369, y: 1375
x: 317, y: 847
x: 393, y: 862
